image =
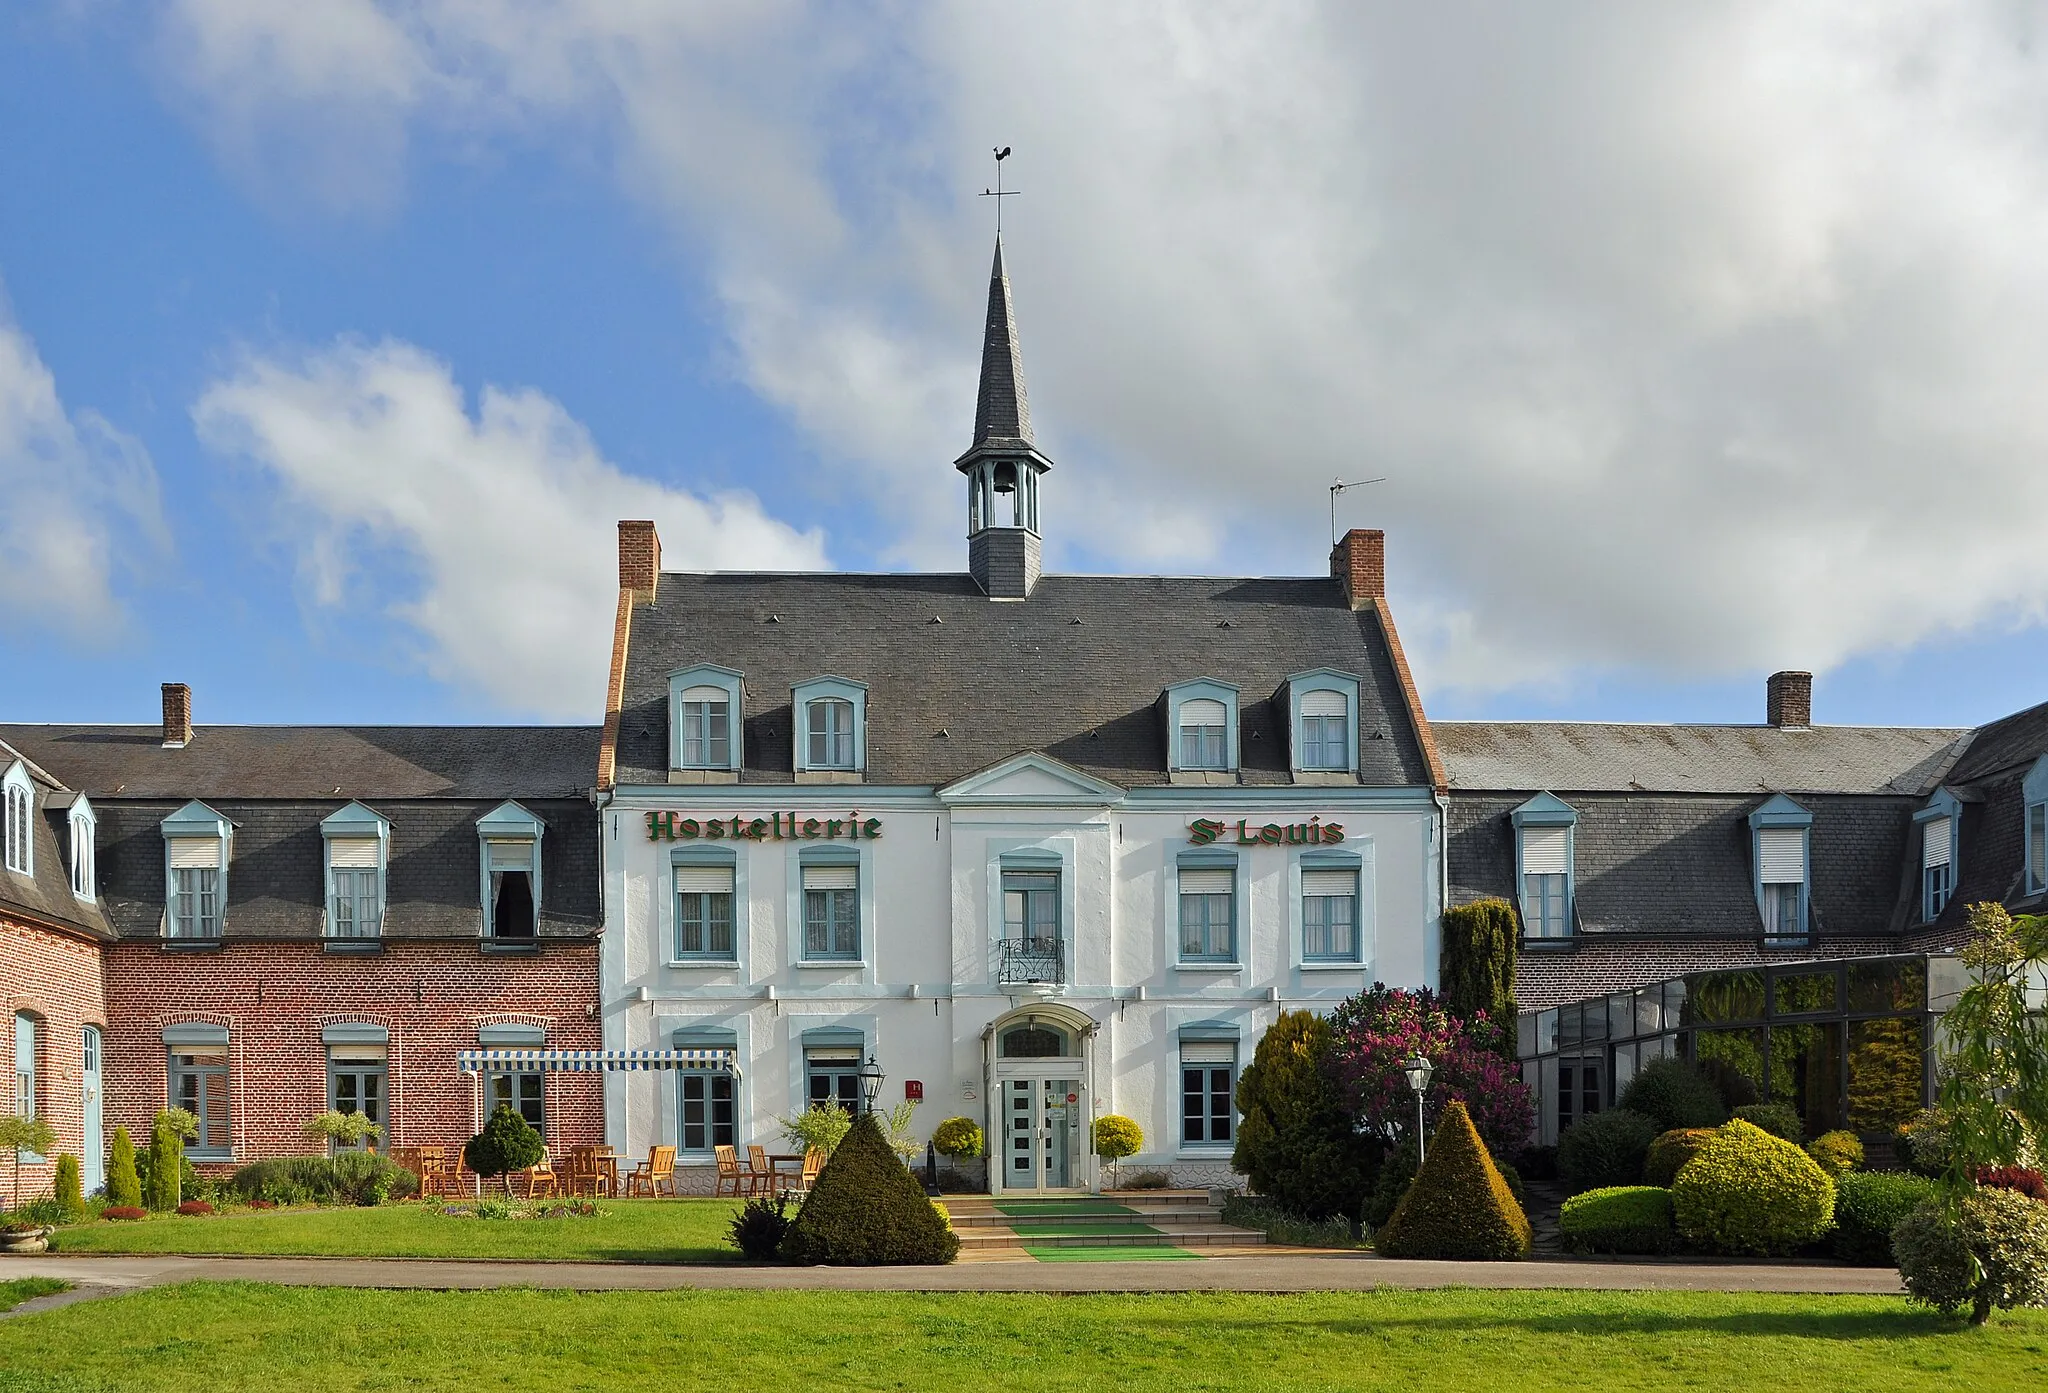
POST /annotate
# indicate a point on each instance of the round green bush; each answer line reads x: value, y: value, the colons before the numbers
x: 1605, y: 1149
x: 508, y: 1142
x: 1669, y: 1153
x: 1116, y: 1137
x: 1674, y: 1095
x: 1868, y: 1206
x: 1987, y: 1249
x: 1619, y: 1219
x: 1837, y: 1153
x: 1749, y: 1192
x: 1779, y: 1119
x: 1921, y: 1142
x: 957, y: 1137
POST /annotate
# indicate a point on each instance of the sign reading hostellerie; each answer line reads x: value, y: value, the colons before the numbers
x: 1315, y: 832
x: 777, y: 827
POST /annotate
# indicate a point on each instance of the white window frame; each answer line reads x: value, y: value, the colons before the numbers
x: 513, y: 828
x: 356, y: 894
x: 84, y: 852
x: 828, y: 733
x: 20, y: 812
x: 706, y: 719
x: 196, y: 892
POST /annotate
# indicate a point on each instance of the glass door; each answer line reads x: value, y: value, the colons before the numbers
x: 93, y: 1173
x: 1020, y: 1164
x: 1042, y: 1130
x: 1062, y: 1101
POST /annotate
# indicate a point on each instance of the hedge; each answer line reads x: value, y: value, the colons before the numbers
x: 1779, y: 1119
x: 1669, y: 1153
x: 1605, y: 1149
x: 1619, y: 1219
x: 1868, y: 1206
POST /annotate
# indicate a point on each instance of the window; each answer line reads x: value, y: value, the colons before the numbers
x: 20, y: 811
x: 195, y: 890
x: 832, y: 1075
x: 706, y: 1118
x: 1031, y: 906
x: 707, y: 728
x: 357, y: 839
x: 2037, y: 847
x: 1546, y: 869
x: 510, y: 859
x: 520, y: 1092
x: 199, y: 1085
x: 830, y: 727
x: 1207, y: 1069
x: 356, y: 1082
x: 1325, y: 731
x: 84, y: 879
x: 1329, y: 916
x: 1202, y: 742
x: 704, y: 911
x: 24, y: 1065
x: 1781, y: 870
x: 1937, y: 860
x: 1208, y: 898
x: 831, y: 910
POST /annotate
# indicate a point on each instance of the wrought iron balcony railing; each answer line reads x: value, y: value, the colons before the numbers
x: 1033, y: 962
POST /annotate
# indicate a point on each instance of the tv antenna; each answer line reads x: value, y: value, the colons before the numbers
x: 1338, y: 487
x: 999, y: 193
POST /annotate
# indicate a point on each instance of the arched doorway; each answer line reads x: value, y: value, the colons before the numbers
x: 1041, y: 1073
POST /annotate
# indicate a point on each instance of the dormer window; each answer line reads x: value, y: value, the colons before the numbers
x: 1324, y: 716
x: 84, y: 873
x: 1937, y: 855
x: 197, y: 842
x: 704, y: 724
x: 358, y: 843
x: 831, y: 729
x: 510, y: 861
x: 1780, y: 831
x: 1201, y: 729
x: 1544, y: 832
x: 2034, y: 800
x: 1202, y: 745
x: 20, y: 803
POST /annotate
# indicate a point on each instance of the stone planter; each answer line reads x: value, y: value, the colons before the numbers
x: 26, y: 1241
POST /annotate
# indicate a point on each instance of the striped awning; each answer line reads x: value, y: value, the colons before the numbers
x: 595, y: 1061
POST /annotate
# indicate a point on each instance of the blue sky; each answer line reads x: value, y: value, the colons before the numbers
x: 338, y: 335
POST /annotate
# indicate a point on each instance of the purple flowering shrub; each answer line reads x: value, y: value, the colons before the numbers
x: 1382, y: 1027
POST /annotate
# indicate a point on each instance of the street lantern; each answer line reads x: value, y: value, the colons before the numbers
x: 870, y: 1082
x: 1418, y: 1071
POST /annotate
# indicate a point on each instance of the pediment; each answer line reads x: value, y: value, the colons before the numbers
x: 1032, y: 779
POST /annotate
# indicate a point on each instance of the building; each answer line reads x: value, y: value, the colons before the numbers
x: 52, y: 931
x: 290, y: 919
x: 1041, y: 846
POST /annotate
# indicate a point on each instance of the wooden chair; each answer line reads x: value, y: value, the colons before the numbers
x: 541, y: 1178
x: 584, y: 1176
x: 760, y: 1171
x: 650, y: 1175
x: 437, y: 1174
x: 729, y: 1172
x: 814, y: 1162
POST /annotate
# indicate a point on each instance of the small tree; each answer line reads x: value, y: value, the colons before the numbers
x: 1296, y: 1142
x: 897, y: 1122
x: 66, y: 1190
x: 820, y: 1127
x: 167, y: 1138
x: 1994, y: 1059
x: 958, y: 1138
x: 508, y: 1142
x: 1115, y: 1137
x: 866, y: 1210
x: 1381, y: 1028
x: 1479, y: 965
x: 32, y: 1135
x: 124, y: 1186
x: 345, y: 1130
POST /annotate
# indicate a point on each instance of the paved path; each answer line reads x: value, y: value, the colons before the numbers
x: 1265, y: 1272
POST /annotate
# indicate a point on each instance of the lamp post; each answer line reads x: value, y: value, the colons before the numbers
x: 1418, y: 1071
x: 870, y: 1083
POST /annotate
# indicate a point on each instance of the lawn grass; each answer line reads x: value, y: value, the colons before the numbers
x: 22, y: 1289
x: 686, y: 1230
x: 226, y: 1337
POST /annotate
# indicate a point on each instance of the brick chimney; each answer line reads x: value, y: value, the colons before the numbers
x: 177, y: 715
x: 1360, y: 561
x: 639, y: 558
x: 1788, y: 699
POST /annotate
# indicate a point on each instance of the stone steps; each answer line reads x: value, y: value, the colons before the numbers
x: 1155, y: 1218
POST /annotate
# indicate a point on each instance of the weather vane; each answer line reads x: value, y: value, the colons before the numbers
x: 999, y: 193
x: 1338, y: 487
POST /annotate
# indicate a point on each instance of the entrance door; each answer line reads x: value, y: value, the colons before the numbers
x: 93, y: 1167
x: 1043, y: 1131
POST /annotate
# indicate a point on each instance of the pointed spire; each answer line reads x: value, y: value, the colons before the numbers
x: 1002, y: 411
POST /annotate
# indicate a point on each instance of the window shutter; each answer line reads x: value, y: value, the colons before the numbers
x: 1781, y: 856
x: 353, y: 853
x: 1202, y: 712
x: 1322, y: 703
x: 712, y: 694
x: 511, y: 855
x: 831, y: 877
x: 194, y: 853
x: 1329, y: 883
x: 1546, y: 851
x: 1195, y: 881
x: 1934, y: 842
x: 704, y: 880
x: 1208, y: 1052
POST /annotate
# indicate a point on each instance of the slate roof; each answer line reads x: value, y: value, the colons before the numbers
x: 1002, y: 409
x: 45, y: 893
x: 1599, y: 756
x: 367, y: 762
x: 1075, y: 671
x: 2018, y: 739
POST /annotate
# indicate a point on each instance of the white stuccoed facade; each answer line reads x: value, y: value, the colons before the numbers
x: 928, y: 998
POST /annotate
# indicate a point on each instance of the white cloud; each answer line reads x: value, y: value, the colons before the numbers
x: 1695, y: 339
x: 492, y: 535
x: 78, y: 502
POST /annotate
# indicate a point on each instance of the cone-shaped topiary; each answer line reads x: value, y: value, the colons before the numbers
x: 166, y: 1160
x: 866, y: 1210
x: 66, y: 1188
x: 508, y: 1142
x: 1749, y: 1192
x: 1458, y: 1207
x: 124, y: 1186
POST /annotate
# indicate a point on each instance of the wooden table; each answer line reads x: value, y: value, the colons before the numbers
x: 778, y: 1179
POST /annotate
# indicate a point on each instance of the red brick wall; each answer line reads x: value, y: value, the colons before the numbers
x: 56, y: 978
x: 275, y: 998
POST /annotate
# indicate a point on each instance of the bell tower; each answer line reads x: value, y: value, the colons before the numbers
x: 1003, y: 467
